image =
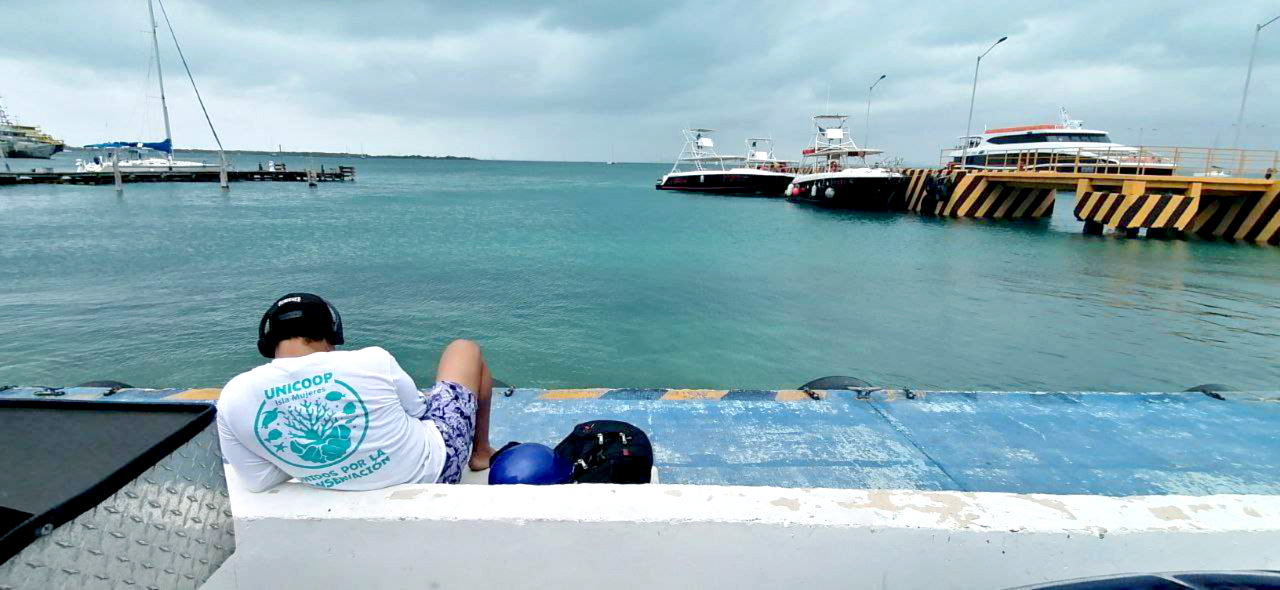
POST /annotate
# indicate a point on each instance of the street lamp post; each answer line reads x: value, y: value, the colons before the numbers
x: 1142, y: 132
x: 866, y: 138
x: 964, y: 153
x: 1249, y: 74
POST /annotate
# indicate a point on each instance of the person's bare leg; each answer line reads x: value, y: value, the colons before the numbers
x: 462, y: 362
x: 482, y: 452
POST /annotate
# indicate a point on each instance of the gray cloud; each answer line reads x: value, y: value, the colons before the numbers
x: 565, y: 80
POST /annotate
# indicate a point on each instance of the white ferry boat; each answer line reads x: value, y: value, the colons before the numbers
x: 1066, y: 146
x: 699, y: 168
x: 834, y: 172
x: 25, y: 141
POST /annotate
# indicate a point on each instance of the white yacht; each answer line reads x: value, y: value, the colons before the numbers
x: 834, y: 172
x: 1065, y: 146
x: 138, y: 156
x: 699, y: 168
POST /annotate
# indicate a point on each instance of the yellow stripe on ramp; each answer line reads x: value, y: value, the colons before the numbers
x: 694, y: 394
x: 573, y: 394
x: 208, y: 393
x: 795, y: 395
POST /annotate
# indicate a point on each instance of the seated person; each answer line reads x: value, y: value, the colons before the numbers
x: 349, y: 420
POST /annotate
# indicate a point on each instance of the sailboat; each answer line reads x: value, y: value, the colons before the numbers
x: 141, y: 156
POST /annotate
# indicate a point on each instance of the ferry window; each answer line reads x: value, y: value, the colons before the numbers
x: 1081, y: 137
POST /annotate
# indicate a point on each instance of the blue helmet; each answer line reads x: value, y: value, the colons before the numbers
x: 529, y: 463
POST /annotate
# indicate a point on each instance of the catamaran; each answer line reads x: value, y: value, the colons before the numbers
x: 834, y: 172
x: 699, y: 168
x: 141, y: 156
x: 1065, y: 146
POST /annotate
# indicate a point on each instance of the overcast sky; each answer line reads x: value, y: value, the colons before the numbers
x: 571, y: 80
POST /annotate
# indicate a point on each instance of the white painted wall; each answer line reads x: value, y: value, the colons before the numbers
x: 678, y: 536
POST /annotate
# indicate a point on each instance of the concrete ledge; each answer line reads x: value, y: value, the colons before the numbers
x: 435, y: 536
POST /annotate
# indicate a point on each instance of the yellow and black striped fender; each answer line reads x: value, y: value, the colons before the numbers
x: 979, y: 197
x: 928, y: 190
x: 1123, y: 212
x: 1233, y: 218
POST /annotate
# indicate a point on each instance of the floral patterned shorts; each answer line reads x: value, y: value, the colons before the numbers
x: 453, y: 409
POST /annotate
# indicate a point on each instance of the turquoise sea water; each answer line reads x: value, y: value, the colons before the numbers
x: 573, y: 274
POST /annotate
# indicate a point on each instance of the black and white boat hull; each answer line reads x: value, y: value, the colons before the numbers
x: 846, y: 189
x: 729, y: 182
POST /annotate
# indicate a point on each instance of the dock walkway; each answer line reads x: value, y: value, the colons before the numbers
x: 1106, y: 444
x: 339, y: 174
x: 927, y: 489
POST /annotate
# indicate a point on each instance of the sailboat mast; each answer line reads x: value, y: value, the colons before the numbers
x: 164, y: 106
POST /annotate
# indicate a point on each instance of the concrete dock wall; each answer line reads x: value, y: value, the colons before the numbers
x: 680, y: 536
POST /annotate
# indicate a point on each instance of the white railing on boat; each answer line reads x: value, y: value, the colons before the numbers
x: 1180, y: 161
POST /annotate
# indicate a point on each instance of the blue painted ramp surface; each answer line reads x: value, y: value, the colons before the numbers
x: 796, y: 444
x: 1092, y: 443
x: 1114, y: 444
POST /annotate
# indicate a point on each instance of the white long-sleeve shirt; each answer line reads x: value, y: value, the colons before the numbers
x: 348, y: 420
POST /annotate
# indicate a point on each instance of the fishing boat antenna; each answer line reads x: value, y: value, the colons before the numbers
x: 221, y: 152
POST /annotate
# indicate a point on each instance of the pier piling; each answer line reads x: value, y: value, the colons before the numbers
x: 1229, y: 194
x: 115, y: 170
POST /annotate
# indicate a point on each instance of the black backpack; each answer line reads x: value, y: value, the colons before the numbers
x: 607, y: 451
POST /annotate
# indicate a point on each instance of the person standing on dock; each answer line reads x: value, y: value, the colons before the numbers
x: 349, y: 420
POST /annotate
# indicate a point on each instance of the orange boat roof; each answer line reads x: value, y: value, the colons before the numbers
x: 1024, y: 128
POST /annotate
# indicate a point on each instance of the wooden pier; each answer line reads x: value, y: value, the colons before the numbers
x: 1202, y: 198
x: 279, y: 174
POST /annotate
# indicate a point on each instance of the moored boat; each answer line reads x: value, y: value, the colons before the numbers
x: 699, y: 168
x: 138, y: 156
x: 835, y: 174
x: 25, y: 141
x: 1066, y: 146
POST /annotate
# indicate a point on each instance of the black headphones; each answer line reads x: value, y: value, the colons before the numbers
x: 266, y: 346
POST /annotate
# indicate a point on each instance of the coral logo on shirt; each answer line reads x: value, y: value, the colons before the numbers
x: 312, y: 423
